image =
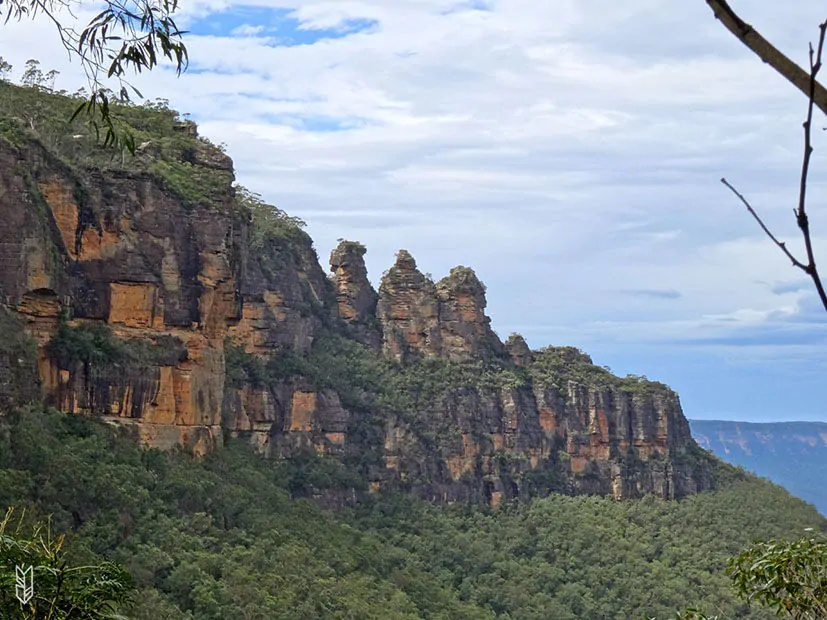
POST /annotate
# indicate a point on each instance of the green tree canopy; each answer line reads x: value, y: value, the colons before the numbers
x: 127, y: 36
x: 788, y: 577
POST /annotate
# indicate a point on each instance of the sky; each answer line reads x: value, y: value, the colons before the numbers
x: 570, y: 152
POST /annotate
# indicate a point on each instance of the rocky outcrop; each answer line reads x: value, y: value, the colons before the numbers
x: 512, y: 442
x: 445, y: 320
x: 288, y: 419
x: 125, y: 253
x: 518, y: 350
x: 283, y: 293
x: 121, y: 250
x: 182, y: 284
x: 408, y: 311
x: 465, y: 330
x: 355, y: 297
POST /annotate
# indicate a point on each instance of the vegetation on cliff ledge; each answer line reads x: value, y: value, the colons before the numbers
x: 94, y: 345
x: 169, y: 148
x: 558, y: 365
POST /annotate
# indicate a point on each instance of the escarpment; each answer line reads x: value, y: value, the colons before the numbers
x: 158, y: 298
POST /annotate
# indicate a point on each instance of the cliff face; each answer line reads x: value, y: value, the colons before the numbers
x: 119, y: 250
x: 216, y: 327
x: 520, y: 433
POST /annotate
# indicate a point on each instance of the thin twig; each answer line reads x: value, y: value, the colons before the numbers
x: 801, y: 212
x: 780, y: 244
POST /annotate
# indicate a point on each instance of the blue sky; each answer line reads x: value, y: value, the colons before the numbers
x: 280, y: 27
x: 570, y: 152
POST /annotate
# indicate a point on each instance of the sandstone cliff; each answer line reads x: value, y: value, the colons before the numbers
x: 176, y: 309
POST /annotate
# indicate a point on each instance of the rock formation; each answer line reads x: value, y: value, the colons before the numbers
x: 183, y: 285
x: 465, y: 330
x: 408, y: 311
x: 518, y: 350
x: 355, y: 298
x: 446, y: 320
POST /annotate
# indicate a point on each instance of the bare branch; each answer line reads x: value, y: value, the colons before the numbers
x: 801, y: 213
x: 780, y: 244
x: 816, y: 96
x: 767, y: 52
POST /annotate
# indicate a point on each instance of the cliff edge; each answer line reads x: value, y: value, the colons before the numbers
x: 162, y: 297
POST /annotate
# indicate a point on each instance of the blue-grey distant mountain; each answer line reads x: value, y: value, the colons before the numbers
x: 792, y: 454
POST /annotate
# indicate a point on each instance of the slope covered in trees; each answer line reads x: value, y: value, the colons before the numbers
x: 227, y: 537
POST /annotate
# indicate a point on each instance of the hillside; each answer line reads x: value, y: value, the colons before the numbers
x: 792, y: 454
x: 165, y: 298
x: 223, y: 538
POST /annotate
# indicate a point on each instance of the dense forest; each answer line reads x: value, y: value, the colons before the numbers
x: 231, y: 536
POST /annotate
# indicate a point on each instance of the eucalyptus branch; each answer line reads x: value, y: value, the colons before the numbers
x: 770, y: 54
x: 127, y: 35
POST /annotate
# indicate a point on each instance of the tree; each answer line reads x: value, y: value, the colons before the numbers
x: 127, y: 35
x: 267, y: 221
x: 32, y: 76
x: 788, y: 577
x: 5, y: 68
x: 807, y: 82
x: 58, y: 590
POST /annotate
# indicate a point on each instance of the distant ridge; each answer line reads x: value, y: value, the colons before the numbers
x: 792, y: 454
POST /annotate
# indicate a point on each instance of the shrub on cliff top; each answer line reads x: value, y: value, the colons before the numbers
x: 556, y: 366
x: 266, y: 221
x: 37, y: 115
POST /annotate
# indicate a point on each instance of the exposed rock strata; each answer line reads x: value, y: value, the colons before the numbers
x: 126, y: 252
x: 408, y: 311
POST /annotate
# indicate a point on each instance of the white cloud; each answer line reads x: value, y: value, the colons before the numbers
x: 569, y: 151
x: 247, y: 30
